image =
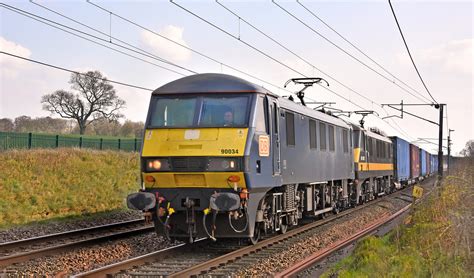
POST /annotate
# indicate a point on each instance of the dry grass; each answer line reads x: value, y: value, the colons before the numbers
x: 49, y: 183
x: 436, y: 240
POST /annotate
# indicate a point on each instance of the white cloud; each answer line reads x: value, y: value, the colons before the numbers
x: 11, y: 66
x: 165, y: 48
x: 454, y: 56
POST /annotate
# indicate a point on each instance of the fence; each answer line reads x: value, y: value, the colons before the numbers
x: 13, y: 140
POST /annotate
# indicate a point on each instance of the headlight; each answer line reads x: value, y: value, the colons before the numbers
x: 157, y: 164
x: 222, y: 164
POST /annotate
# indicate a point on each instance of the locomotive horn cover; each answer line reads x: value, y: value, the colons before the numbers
x: 225, y: 201
x: 141, y: 201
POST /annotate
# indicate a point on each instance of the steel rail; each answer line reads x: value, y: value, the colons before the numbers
x: 108, y: 270
x: 232, y: 256
x: 28, y: 255
x: 219, y: 261
x: 299, y: 267
x: 55, y: 236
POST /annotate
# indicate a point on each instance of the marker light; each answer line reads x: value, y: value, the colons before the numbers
x: 150, y: 179
x: 233, y: 178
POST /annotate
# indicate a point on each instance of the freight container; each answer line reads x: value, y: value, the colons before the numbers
x: 435, y: 164
x: 401, y: 159
x: 423, y: 163
x: 428, y: 163
x: 414, y: 162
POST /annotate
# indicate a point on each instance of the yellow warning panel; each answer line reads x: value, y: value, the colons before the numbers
x: 417, y: 191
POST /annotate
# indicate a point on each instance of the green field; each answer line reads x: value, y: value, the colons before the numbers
x: 49, y: 183
x: 433, y: 242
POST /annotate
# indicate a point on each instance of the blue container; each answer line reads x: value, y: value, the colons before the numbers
x: 431, y: 164
x: 401, y: 159
x: 423, y: 162
x: 435, y: 163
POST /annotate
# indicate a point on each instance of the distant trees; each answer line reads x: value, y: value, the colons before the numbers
x: 41, y: 125
x: 100, y: 127
x: 95, y: 100
x: 468, y: 151
x: 6, y: 124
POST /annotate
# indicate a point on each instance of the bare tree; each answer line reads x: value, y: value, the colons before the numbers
x: 95, y: 99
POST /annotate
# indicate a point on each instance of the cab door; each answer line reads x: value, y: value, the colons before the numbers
x: 274, y: 131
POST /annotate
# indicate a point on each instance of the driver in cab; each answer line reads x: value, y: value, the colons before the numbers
x: 228, y: 118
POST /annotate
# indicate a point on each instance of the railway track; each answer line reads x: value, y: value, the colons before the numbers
x: 217, y: 259
x: 27, y: 249
x: 310, y: 261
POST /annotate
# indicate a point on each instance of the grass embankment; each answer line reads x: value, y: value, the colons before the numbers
x: 43, y: 183
x: 433, y: 241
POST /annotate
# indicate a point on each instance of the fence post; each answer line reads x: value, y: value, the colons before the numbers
x: 100, y: 147
x: 135, y: 144
x: 57, y: 141
x: 80, y: 142
x: 30, y: 136
x: 119, y: 143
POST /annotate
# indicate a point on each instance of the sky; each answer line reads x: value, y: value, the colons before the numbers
x: 439, y: 35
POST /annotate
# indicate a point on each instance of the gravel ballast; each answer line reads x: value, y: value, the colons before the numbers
x: 88, y: 258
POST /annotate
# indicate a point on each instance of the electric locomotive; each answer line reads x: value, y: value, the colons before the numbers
x: 373, y: 164
x: 222, y: 157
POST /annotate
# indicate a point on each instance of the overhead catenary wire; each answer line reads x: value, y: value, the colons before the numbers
x: 73, y: 71
x: 82, y: 34
x: 260, y: 51
x: 240, y: 18
x: 208, y: 57
x: 347, y: 53
x: 140, y: 50
x: 149, y: 62
x: 408, y: 50
x: 356, y: 47
x: 295, y: 54
x: 187, y: 47
x: 51, y: 24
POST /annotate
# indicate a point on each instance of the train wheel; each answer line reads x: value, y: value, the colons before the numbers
x: 283, y: 224
x: 256, y: 235
x: 283, y: 228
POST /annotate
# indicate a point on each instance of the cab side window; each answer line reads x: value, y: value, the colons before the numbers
x: 261, y: 116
